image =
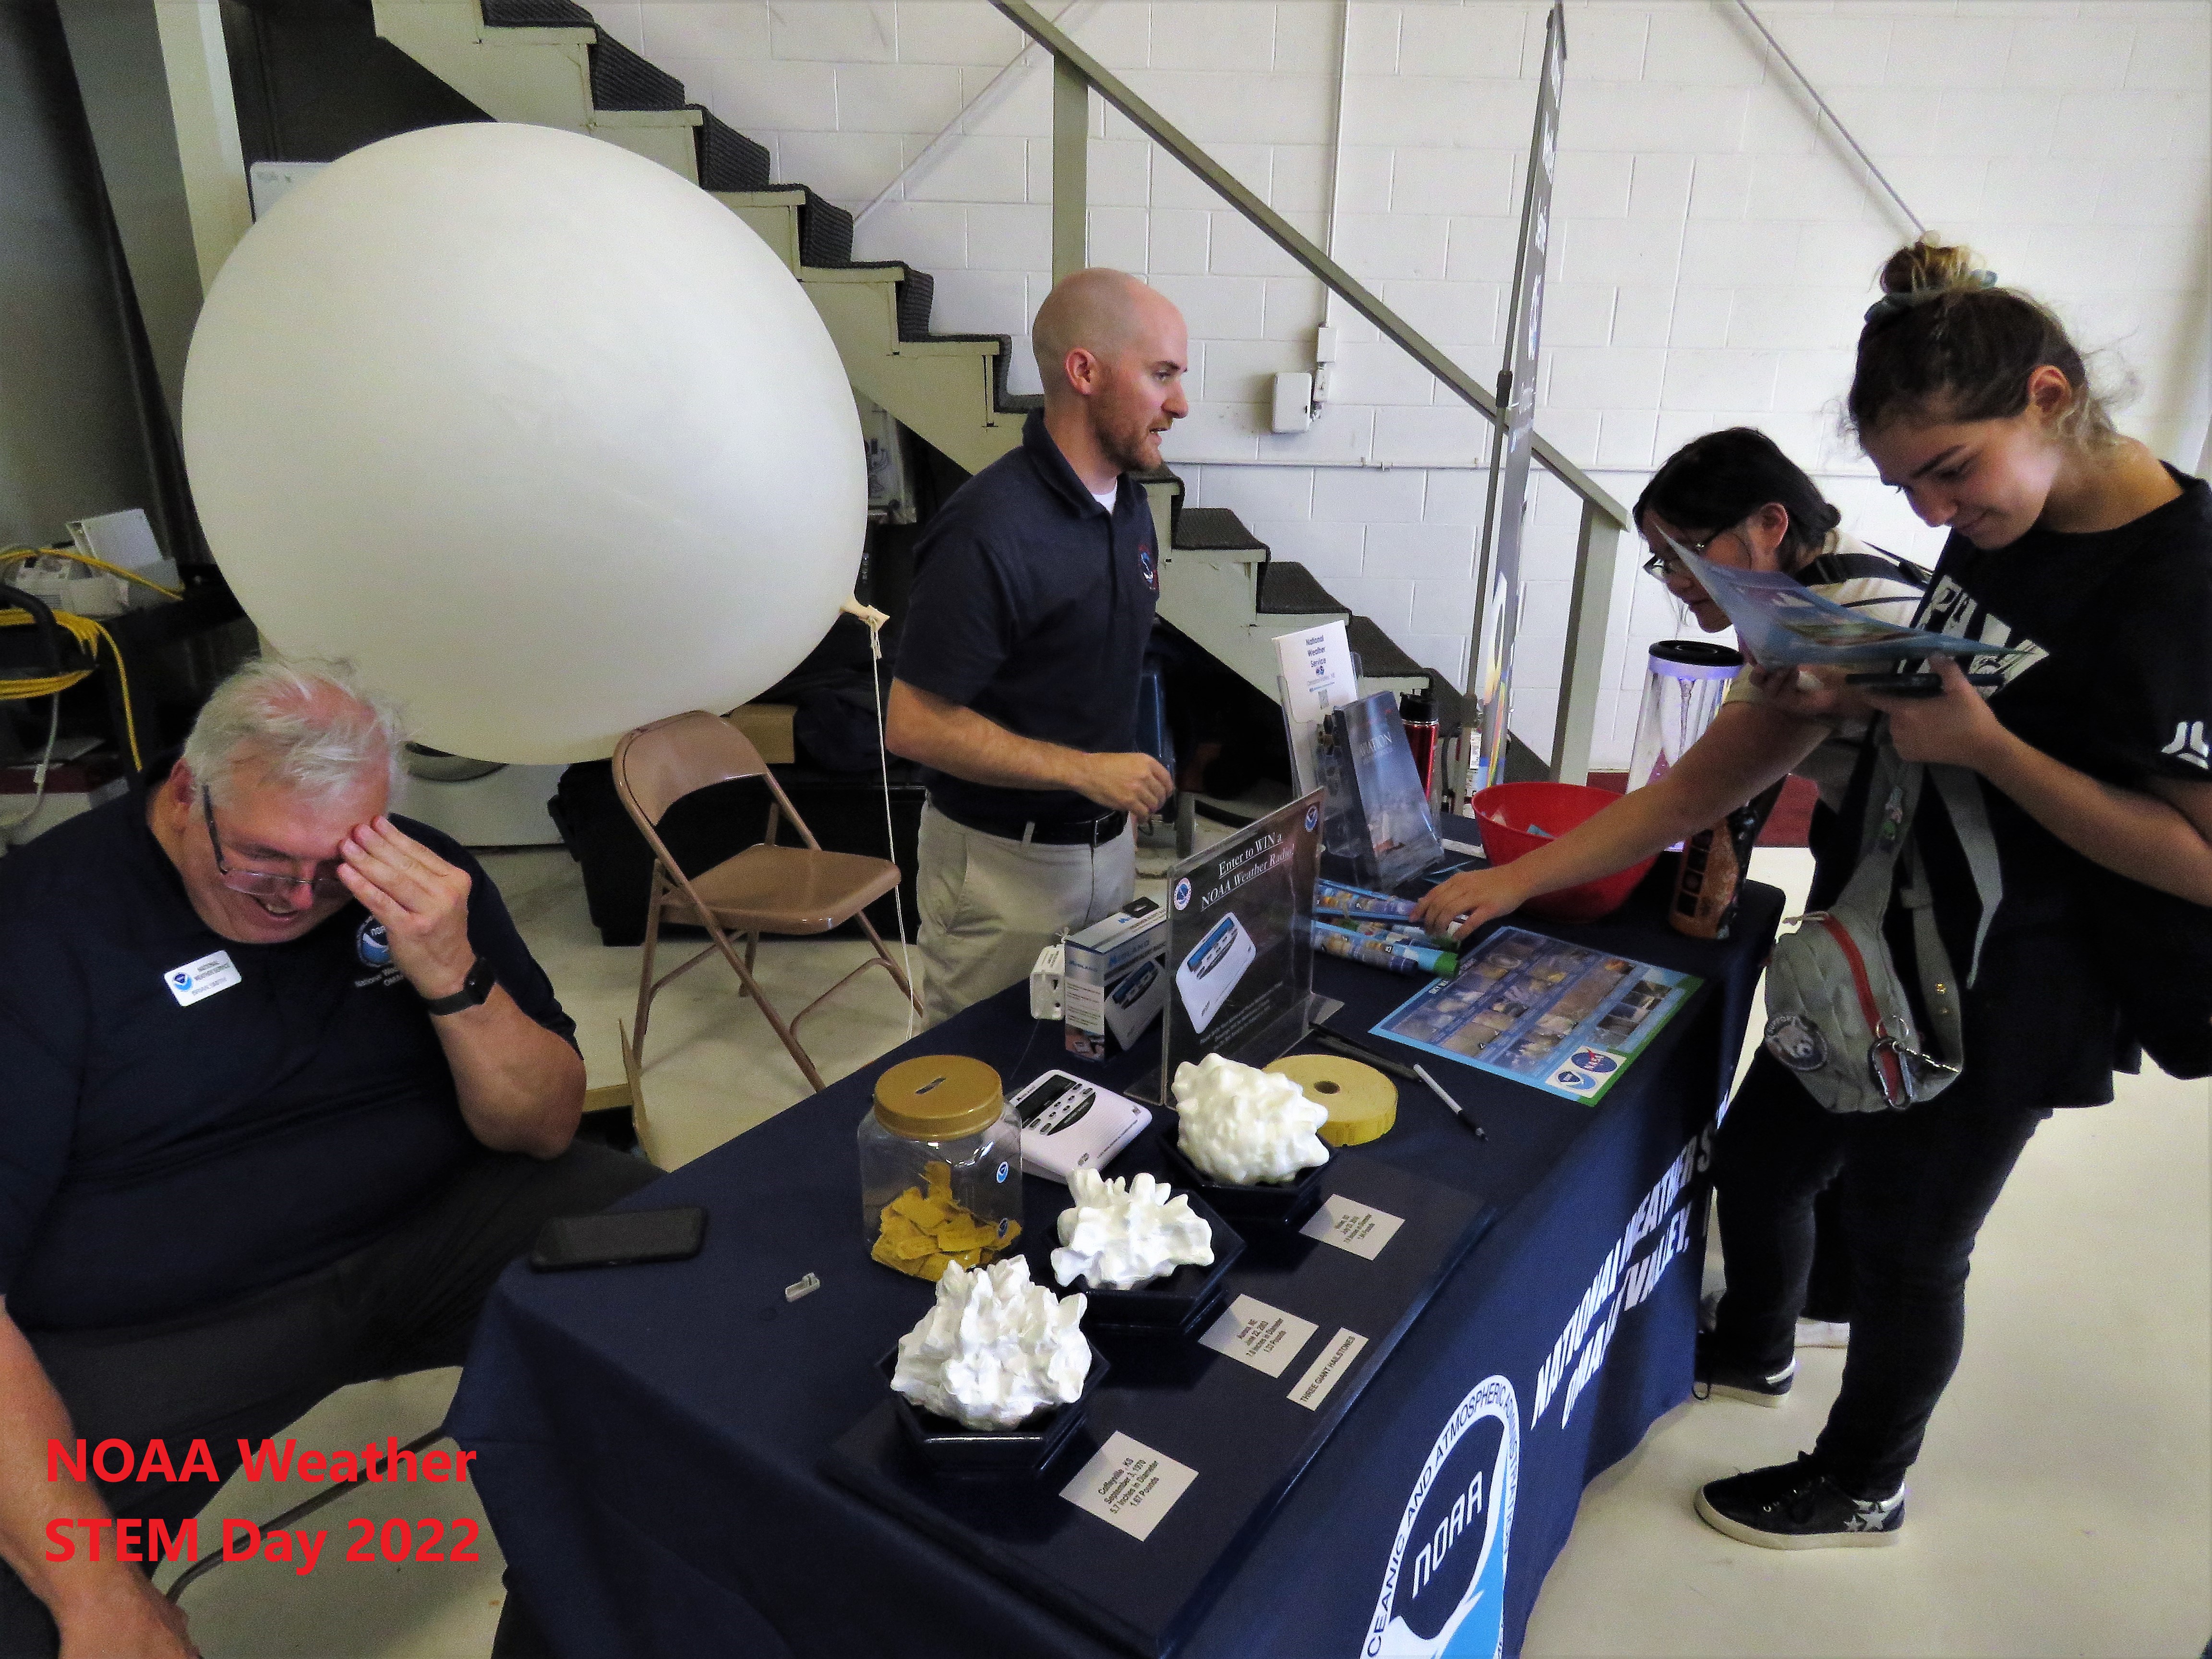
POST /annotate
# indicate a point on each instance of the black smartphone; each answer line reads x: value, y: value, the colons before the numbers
x: 619, y: 1237
x: 1913, y: 685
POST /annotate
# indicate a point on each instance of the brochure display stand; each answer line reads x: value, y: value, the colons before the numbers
x: 1381, y: 830
x: 1240, y: 942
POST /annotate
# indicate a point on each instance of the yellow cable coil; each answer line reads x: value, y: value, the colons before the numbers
x: 16, y: 555
x: 88, y: 633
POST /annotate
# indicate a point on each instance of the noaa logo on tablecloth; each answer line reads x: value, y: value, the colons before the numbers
x: 1182, y: 893
x: 370, y: 944
x: 1313, y: 816
x: 1444, y: 1593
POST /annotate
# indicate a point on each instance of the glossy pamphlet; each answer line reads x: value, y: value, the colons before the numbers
x: 1560, y: 1018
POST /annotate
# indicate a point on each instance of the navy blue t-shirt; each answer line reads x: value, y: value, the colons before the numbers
x: 1032, y: 605
x: 157, y: 1157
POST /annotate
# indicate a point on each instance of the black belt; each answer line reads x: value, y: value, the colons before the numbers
x: 1063, y: 832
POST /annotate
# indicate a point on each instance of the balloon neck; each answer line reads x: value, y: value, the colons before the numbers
x: 874, y: 618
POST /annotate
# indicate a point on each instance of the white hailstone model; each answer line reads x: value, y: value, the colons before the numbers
x: 1123, y: 1233
x: 995, y: 1349
x: 1242, y: 1125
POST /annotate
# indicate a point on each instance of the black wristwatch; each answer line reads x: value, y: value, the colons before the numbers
x: 474, y: 989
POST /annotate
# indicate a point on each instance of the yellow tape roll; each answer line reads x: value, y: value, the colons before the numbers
x: 1363, y: 1104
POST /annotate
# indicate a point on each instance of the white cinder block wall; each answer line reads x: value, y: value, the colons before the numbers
x: 1714, y: 246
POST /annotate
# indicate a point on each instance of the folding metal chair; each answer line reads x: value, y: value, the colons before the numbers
x: 765, y: 888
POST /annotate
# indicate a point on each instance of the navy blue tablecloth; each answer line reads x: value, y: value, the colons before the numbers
x: 650, y: 1438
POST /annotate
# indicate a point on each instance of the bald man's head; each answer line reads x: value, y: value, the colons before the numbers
x: 1111, y: 352
x: 1097, y: 309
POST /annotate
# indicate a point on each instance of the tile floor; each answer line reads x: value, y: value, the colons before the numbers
x: 2063, y: 1506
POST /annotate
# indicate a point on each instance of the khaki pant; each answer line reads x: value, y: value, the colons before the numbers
x: 989, y: 905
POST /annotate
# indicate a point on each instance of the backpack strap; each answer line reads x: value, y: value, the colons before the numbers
x: 1960, y: 791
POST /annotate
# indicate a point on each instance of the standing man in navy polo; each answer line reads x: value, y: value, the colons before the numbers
x: 1018, y: 668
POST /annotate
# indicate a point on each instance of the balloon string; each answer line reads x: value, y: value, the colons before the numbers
x: 875, y: 620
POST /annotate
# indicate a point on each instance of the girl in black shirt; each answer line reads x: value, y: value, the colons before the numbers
x: 2077, y: 542
x: 2093, y: 763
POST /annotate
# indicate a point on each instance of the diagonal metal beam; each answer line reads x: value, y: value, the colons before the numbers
x: 1162, y: 132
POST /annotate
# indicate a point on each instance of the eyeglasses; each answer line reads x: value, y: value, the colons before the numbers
x: 1662, y: 565
x: 265, y: 884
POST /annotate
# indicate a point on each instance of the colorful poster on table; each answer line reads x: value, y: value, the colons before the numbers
x: 1561, y: 1017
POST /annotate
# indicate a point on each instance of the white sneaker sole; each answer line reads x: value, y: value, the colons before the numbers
x: 1748, y: 1397
x: 1774, y: 1540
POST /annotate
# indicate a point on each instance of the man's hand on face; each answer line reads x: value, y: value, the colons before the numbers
x: 1136, y: 784
x: 422, y: 900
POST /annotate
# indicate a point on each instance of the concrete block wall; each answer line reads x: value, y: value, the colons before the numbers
x: 1714, y: 243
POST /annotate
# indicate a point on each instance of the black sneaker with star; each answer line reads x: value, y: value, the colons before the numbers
x: 1715, y: 1375
x: 1793, y: 1506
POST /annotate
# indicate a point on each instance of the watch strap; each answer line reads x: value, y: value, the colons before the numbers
x: 474, y: 989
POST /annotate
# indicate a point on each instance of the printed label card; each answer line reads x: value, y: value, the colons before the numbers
x: 1129, y: 1486
x: 1351, y: 1226
x: 1328, y: 1370
x: 1253, y: 1334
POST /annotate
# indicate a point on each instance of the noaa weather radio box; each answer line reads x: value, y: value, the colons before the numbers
x: 1115, y: 980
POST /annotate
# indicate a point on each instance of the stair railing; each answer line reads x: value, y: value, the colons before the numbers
x: 1075, y: 76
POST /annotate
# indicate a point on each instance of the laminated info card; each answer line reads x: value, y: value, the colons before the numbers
x: 1240, y: 942
x: 1559, y: 1017
x: 1316, y: 677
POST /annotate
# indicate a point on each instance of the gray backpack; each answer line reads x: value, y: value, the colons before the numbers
x: 1837, y: 1014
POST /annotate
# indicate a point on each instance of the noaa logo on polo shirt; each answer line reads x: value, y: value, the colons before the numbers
x: 371, y: 945
x: 1148, y: 563
x: 1443, y: 1592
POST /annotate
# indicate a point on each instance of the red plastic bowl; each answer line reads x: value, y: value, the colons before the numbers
x: 1555, y: 808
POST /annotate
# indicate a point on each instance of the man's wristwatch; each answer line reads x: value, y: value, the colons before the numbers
x: 474, y: 989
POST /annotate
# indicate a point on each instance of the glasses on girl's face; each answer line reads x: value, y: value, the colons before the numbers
x: 1663, y: 565
x: 265, y: 884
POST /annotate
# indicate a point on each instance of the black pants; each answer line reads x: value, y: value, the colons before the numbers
x: 408, y: 1303
x: 1915, y: 1186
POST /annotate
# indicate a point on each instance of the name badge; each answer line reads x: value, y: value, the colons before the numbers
x: 196, y: 982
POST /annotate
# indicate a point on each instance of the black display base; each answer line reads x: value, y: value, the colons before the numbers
x: 1240, y: 1428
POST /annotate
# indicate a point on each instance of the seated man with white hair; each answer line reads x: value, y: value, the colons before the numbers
x: 282, y: 1091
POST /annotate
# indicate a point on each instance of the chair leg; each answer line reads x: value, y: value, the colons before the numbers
x: 873, y: 961
x: 897, y: 978
x: 752, y: 948
x: 645, y: 987
x: 789, y: 1039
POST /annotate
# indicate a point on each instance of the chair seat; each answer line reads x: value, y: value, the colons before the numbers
x: 787, y: 890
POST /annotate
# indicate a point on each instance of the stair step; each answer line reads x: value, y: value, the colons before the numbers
x: 536, y: 13
x: 1380, y: 658
x: 1289, y: 589
x: 622, y: 79
x: 1215, y: 530
x: 825, y: 233
x: 727, y: 159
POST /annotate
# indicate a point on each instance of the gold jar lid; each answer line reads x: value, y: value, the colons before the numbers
x: 938, y: 1097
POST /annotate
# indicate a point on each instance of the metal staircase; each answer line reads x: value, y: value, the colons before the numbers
x: 547, y: 63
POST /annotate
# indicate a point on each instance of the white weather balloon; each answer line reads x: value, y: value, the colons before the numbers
x: 540, y: 436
